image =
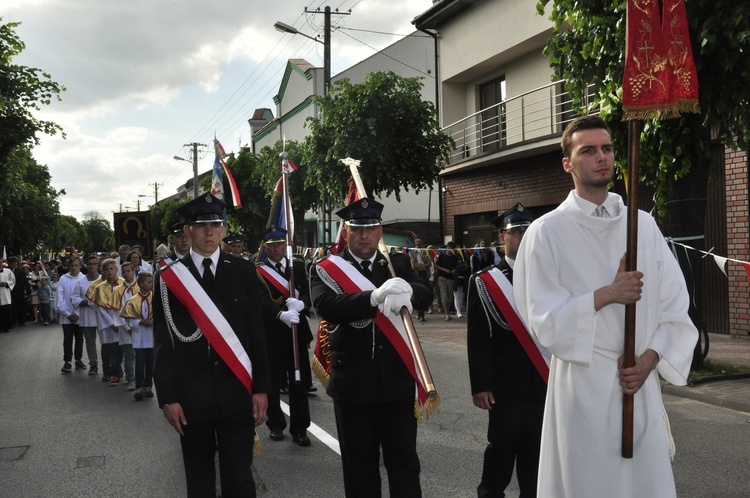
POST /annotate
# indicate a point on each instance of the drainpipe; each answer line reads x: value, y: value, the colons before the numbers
x: 437, y: 110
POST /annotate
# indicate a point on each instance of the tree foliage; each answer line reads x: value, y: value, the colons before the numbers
x: 163, y: 215
x: 588, y: 47
x: 22, y: 91
x: 67, y: 232
x: 302, y: 195
x: 250, y: 219
x: 28, y: 203
x: 98, y: 232
x: 384, y: 123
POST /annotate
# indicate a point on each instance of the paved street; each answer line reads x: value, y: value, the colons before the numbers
x: 72, y: 435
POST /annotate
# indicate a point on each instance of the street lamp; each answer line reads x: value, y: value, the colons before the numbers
x: 195, y: 172
x: 285, y: 28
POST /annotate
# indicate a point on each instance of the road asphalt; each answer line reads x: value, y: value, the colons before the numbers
x: 724, y: 390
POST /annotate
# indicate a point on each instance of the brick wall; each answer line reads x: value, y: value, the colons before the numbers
x: 534, y: 181
x: 738, y: 242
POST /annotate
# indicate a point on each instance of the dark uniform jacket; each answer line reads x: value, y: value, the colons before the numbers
x: 497, y: 361
x: 278, y: 335
x: 192, y: 373
x: 365, y: 367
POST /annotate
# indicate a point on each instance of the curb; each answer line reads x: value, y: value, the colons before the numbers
x: 703, y: 394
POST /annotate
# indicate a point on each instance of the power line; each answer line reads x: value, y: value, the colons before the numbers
x: 386, y: 55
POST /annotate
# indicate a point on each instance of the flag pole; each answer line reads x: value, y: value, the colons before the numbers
x: 631, y: 264
x: 289, y: 256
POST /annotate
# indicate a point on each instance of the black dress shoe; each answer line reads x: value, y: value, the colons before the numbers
x: 301, y: 439
x: 312, y: 389
x: 277, y: 435
x: 284, y: 390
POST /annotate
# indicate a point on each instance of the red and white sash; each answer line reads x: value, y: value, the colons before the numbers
x: 352, y: 281
x: 275, y: 279
x: 209, y: 319
x: 500, y: 290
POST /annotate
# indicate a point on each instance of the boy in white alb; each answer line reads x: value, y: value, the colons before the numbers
x: 137, y: 315
x: 87, y: 311
x: 122, y: 294
x: 101, y: 295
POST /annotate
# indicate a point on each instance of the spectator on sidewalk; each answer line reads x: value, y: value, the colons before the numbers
x: 7, y: 282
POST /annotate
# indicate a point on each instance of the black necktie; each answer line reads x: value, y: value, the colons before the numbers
x: 366, y: 269
x: 279, y: 269
x: 208, y: 275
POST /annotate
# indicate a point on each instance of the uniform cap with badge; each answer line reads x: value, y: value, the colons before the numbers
x: 362, y: 213
x: 233, y: 238
x: 204, y: 209
x: 517, y: 216
x: 176, y: 227
x: 273, y: 234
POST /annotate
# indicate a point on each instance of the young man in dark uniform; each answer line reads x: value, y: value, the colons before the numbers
x: 201, y: 396
x: 373, y: 392
x: 280, y: 313
x: 503, y: 378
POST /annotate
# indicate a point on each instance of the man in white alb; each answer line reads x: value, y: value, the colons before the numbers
x: 571, y: 289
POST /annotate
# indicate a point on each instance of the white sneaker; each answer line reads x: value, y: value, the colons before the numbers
x: 131, y: 386
x: 459, y: 315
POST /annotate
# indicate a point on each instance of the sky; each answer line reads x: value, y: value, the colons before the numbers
x: 143, y: 78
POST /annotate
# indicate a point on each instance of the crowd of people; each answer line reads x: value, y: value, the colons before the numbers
x: 544, y: 339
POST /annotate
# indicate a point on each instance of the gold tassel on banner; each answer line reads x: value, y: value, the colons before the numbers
x: 256, y: 445
x: 320, y: 372
x: 429, y: 407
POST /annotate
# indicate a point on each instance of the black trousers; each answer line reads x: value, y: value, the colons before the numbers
x: 19, y: 308
x: 233, y: 436
x: 514, y: 435
x: 6, y: 317
x: 282, y: 366
x: 362, y: 431
x: 72, y: 332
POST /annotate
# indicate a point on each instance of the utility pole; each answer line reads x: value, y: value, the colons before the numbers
x: 327, y: 208
x: 156, y: 191
x: 195, y: 146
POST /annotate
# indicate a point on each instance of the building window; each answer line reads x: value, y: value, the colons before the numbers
x: 491, y: 98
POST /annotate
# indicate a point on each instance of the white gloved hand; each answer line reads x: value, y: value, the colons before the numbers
x: 289, y: 317
x: 293, y: 304
x: 391, y: 286
x: 394, y: 302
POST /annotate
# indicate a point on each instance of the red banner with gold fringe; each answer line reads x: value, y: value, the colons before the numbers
x: 660, y: 79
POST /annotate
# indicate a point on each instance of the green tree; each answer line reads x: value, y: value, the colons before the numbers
x: 302, y: 195
x: 67, y: 232
x: 384, y: 123
x: 250, y: 219
x: 99, y: 233
x: 22, y: 91
x: 28, y: 203
x: 163, y: 215
x: 588, y: 47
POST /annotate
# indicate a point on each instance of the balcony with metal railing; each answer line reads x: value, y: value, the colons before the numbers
x: 532, y: 116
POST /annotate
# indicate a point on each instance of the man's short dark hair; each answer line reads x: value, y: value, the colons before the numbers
x: 578, y: 124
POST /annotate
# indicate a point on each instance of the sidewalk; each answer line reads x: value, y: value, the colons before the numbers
x: 728, y: 393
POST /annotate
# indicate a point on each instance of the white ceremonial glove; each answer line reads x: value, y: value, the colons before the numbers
x: 293, y: 304
x: 394, y: 302
x: 289, y: 317
x: 391, y: 286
